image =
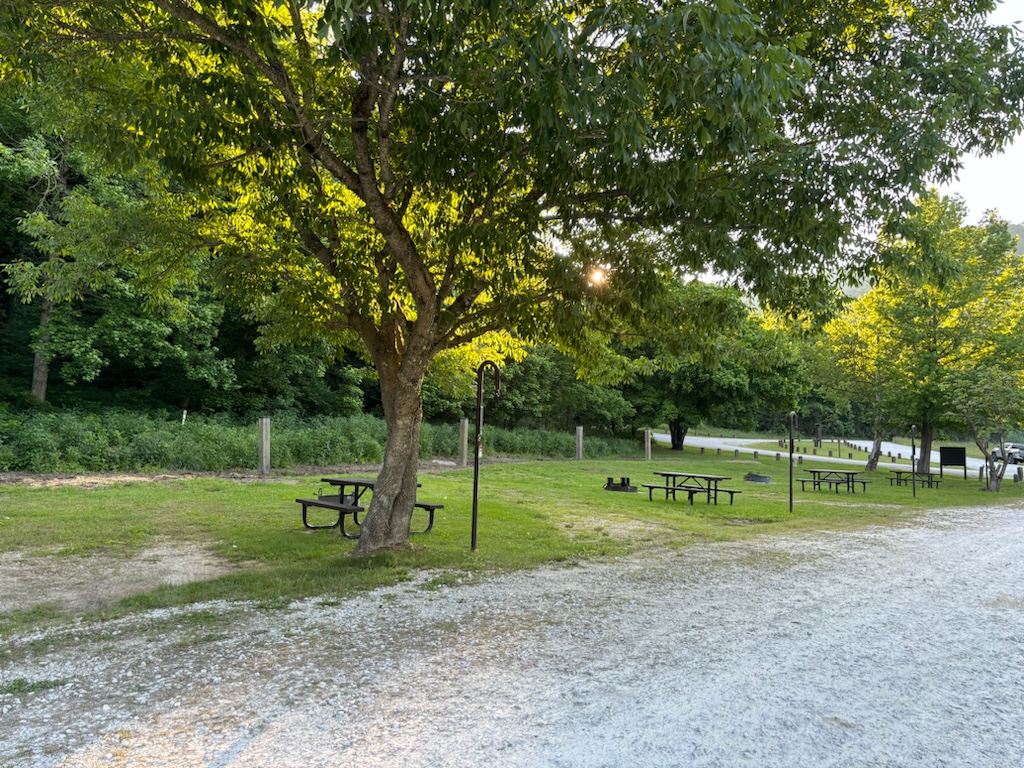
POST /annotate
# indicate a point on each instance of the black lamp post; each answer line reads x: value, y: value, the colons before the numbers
x: 479, y: 432
x: 913, y: 459
x: 792, y: 423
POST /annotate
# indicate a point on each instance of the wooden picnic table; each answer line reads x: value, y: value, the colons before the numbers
x: 692, y: 484
x: 834, y: 479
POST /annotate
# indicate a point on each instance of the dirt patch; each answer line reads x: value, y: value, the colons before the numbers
x: 92, y: 582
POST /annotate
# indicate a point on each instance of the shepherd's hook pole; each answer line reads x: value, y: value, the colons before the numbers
x: 479, y: 433
x: 913, y: 459
x: 792, y: 421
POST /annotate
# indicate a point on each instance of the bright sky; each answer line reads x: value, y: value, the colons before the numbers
x: 995, y: 182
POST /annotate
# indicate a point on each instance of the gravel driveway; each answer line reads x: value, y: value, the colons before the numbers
x: 897, y: 646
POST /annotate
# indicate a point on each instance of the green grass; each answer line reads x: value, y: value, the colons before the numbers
x: 21, y: 685
x: 530, y: 513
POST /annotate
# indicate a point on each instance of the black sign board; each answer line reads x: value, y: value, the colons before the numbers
x: 952, y: 456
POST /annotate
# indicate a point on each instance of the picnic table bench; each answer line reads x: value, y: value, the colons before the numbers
x: 343, y: 505
x: 833, y: 480
x: 692, y: 484
x: 906, y: 477
x: 670, y: 490
x: 346, y: 503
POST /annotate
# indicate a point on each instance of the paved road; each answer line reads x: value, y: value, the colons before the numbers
x: 744, y: 445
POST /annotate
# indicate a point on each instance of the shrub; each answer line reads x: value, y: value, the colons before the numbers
x: 114, y: 440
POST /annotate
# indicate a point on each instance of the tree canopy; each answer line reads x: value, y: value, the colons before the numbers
x: 415, y: 177
x: 936, y: 340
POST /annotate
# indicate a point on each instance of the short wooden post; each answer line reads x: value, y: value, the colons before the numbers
x: 463, y: 441
x: 647, y: 444
x: 579, y: 443
x: 264, y: 445
x: 755, y: 454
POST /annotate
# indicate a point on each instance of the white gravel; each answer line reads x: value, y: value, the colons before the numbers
x: 888, y: 647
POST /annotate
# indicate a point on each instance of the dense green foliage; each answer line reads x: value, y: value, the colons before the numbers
x: 936, y: 342
x: 113, y: 440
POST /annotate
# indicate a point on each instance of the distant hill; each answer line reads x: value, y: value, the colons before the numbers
x: 1018, y: 229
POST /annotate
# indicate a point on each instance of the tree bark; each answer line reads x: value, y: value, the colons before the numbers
x: 996, y: 469
x: 387, y: 521
x: 876, y: 446
x: 876, y: 452
x: 924, y: 458
x: 677, y: 433
x: 41, y: 363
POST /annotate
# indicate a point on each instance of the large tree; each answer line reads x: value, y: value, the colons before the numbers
x: 936, y: 340
x: 745, y: 369
x: 414, y: 177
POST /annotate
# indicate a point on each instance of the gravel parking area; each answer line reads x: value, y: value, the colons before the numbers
x: 897, y: 646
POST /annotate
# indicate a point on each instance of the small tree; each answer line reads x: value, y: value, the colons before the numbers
x: 937, y: 322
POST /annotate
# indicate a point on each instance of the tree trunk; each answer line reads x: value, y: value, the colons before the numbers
x: 876, y: 452
x: 924, y: 458
x: 996, y: 470
x: 876, y: 446
x: 387, y: 521
x: 41, y: 363
x: 677, y: 433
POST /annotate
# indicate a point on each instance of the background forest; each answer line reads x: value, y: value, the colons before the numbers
x: 101, y: 370
x: 96, y: 374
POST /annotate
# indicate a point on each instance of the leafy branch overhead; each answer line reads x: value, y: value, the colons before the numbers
x: 426, y: 155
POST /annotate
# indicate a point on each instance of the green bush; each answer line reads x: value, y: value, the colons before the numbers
x: 113, y: 440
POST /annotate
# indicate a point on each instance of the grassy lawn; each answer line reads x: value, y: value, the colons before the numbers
x: 530, y: 513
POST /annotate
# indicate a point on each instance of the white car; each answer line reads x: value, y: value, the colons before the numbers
x: 1014, y: 453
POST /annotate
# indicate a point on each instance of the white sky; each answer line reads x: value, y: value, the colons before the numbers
x: 995, y: 182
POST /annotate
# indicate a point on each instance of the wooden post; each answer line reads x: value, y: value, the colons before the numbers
x: 264, y: 445
x: 647, y: 444
x: 463, y: 441
x: 579, y: 443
